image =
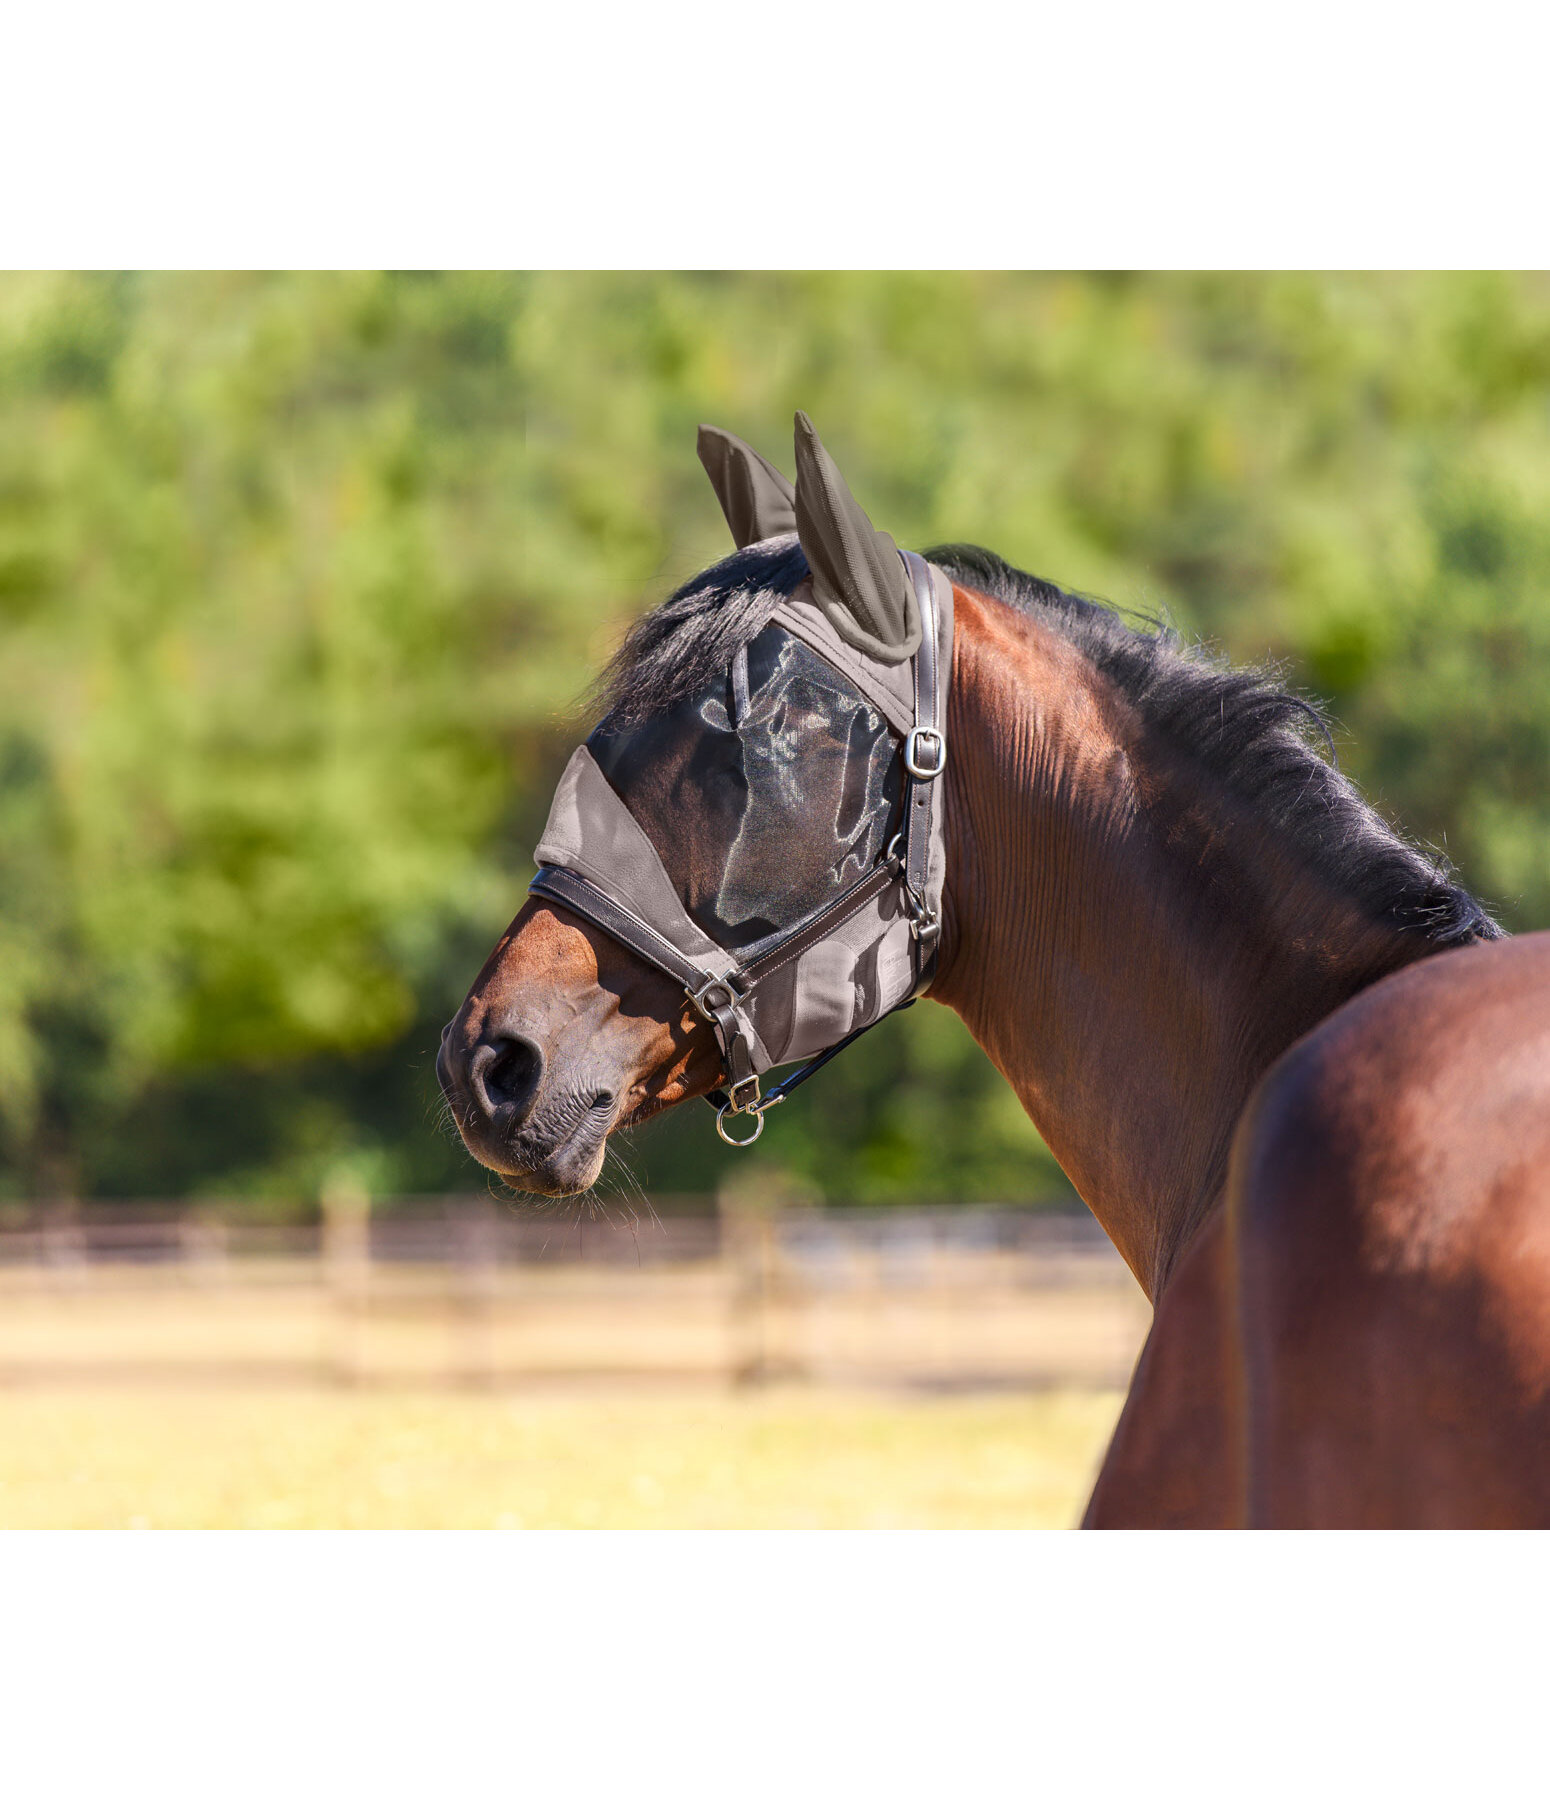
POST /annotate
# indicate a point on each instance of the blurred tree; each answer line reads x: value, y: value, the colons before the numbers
x: 303, y: 577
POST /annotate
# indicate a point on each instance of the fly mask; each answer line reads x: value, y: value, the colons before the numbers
x: 808, y: 773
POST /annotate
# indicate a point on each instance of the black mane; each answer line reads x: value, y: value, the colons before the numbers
x: 1242, y: 725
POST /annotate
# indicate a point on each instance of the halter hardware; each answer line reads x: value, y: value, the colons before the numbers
x: 716, y: 995
x: 743, y: 1096
x: 925, y: 925
x: 783, y: 1090
x: 721, y: 999
x: 747, y: 1143
x: 928, y: 739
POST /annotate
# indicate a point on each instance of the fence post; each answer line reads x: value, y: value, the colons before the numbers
x: 205, y: 1244
x: 62, y: 1243
x: 746, y: 1254
x: 347, y: 1271
x: 475, y: 1278
x: 760, y: 1282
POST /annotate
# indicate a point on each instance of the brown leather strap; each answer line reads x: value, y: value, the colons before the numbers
x: 579, y: 895
x: 925, y: 759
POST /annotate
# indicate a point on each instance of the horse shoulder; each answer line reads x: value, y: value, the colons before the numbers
x: 1389, y: 1213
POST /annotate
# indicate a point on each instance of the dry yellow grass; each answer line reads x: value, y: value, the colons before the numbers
x: 790, y: 1457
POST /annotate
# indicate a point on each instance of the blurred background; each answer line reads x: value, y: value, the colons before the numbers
x: 303, y: 579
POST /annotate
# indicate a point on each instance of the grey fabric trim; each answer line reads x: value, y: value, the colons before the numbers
x: 858, y: 579
x: 891, y: 689
x: 592, y: 831
x: 773, y: 1005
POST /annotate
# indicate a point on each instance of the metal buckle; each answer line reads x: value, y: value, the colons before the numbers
x: 736, y: 1101
x: 924, y: 736
x: 706, y: 1001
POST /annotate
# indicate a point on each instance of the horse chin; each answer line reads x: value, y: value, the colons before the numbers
x: 551, y: 1165
x: 552, y: 1183
x: 555, y: 1154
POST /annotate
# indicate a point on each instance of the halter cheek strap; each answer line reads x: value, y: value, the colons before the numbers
x: 722, y: 995
x: 925, y: 757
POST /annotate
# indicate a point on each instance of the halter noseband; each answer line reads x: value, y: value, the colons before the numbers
x: 722, y: 988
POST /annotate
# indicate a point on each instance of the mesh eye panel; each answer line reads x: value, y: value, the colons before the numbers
x: 761, y: 819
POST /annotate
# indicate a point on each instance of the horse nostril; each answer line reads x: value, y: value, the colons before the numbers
x: 505, y: 1073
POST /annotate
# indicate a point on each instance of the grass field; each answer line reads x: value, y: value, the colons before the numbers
x: 784, y: 1457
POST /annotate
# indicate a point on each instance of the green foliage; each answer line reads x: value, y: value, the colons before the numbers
x: 302, y: 580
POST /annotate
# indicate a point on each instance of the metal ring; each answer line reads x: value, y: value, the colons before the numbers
x: 739, y: 1143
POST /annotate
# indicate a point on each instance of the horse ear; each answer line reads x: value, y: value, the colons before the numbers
x: 757, y: 499
x: 858, y: 578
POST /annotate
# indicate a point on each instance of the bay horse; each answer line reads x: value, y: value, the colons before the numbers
x: 1296, y: 1071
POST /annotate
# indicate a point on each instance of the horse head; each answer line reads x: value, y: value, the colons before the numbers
x: 733, y: 876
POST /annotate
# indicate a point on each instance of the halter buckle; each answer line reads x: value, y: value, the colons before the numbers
x: 741, y: 1099
x: 925, y: 753
x: 717, y: 993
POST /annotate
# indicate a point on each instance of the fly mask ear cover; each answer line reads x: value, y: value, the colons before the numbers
x: 809, y: 988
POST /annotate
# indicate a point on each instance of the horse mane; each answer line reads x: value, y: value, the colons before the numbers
x: 1243, y: 726
x: 1248, y: 731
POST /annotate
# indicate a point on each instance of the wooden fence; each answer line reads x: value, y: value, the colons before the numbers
x: 461, y: 1290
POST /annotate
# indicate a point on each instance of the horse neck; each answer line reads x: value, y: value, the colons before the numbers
x: 1129, y: 945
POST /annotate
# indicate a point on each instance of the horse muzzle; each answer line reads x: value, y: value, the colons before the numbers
x: 540, y: 1119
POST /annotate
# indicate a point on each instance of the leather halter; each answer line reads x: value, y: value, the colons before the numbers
x: 721, y: 995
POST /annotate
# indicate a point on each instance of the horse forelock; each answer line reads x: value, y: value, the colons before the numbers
x: 673, y: 652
